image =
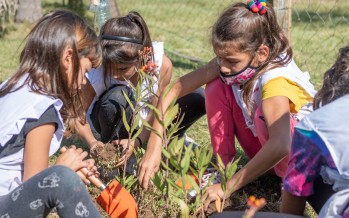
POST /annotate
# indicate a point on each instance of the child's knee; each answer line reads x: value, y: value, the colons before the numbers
x: 212, y: 87
x: 62, y: 174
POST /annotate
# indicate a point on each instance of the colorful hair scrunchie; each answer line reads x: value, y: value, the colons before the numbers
x: 257, y: 6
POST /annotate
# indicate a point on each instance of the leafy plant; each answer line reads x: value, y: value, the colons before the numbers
x: 179, y: 184
x: 226, y: 172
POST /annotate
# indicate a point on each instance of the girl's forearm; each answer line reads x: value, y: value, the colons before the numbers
x: 183, y: 86
x: 163, y: 104
x: 85, y: 132
x: 269, y: 155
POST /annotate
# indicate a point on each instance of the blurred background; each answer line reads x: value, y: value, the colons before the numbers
x: 317, y: 28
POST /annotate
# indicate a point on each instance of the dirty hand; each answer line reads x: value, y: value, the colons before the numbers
x: 126, y: 151
x: 92, y: 168
x: 149, y: 165
x: 73, y: 158
x: 94, y: 145
x: 211, y: 194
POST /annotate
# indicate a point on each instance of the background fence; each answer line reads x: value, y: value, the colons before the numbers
x: 318, y: 28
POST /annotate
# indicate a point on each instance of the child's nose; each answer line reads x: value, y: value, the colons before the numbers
x: 224, y: 69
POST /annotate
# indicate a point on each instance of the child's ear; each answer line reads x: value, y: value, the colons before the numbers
x: 262, y: 53
x: 67, y: 58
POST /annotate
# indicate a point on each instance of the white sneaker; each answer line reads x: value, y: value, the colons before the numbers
x: 205, y: 180
x: 189, y: 141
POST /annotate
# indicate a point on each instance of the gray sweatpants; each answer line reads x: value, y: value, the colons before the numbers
x: 56, y: 186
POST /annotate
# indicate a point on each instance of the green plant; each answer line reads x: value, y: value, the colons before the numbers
x: 226, y: 172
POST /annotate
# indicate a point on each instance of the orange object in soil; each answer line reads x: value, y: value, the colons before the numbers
x: 114, y: 198
x: 117, y: 201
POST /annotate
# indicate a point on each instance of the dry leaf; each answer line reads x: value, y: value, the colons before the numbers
x: 219, y: 204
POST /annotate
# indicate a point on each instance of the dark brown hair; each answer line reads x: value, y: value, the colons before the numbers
x: 246, y: 31
x: 336, y: 80
x: 131, y: 26
x: 41, y: 59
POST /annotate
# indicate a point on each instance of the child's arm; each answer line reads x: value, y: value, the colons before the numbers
x: 184, y: 85
x: 277, y: 116
x: 276, y: 111
x: 84, y: 130
x: 292, y: 204
x: 36, y: 153
x: 36, y: 150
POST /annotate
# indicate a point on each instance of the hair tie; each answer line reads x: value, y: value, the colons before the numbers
x: 130, y: 18
x: 122, y: 39
x: 257, y: 6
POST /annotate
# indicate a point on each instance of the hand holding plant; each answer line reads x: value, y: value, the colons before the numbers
x: 127, y: 150
x: 221, y: 191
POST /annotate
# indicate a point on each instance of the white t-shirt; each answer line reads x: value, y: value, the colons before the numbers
x: 15, y: 109
x: 96, y: 79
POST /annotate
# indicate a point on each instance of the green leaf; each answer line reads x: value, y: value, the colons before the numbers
x: 163, y: 164
x: 151, y: 129
x: 157, y: 114
x: 158, y: 183
x: 220, y: 163
x: 168, y: 89
x: 231, y: 168
x: 129, y: 182
x: 153, y: 108
x: 166, y: 153
x: 128, y: 100
x: 139, y: 131
x: 184, y: 207
x: 174, y: 164
x: 172, y: 148
x: 185, y: 162
x: 224, y: 185
x: 127, y: 127
x: 172, y: 113
x: 135, y: 123
x: 208, y: 156
x: 193, y: 183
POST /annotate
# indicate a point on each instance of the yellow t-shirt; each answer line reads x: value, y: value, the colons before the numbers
x: 282, y: 86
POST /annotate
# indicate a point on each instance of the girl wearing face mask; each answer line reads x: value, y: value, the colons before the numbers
x: 255, y: 93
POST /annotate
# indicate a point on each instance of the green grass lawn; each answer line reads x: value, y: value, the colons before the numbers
x: 319, y: 29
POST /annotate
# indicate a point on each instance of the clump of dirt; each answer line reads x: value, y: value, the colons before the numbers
x: 106, y: 158
x: 107, y: 155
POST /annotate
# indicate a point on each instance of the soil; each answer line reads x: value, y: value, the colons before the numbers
x: 106, y: 156
x: 266, y: 186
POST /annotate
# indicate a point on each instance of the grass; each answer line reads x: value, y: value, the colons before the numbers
x: 319, y: 29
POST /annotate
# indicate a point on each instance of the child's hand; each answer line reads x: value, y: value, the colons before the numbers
x: 211, y: 194
x: 149, y: 166
x: 127, y: 152
x: 92, y: 168
x: 94, y: 145
x: 73, y: 158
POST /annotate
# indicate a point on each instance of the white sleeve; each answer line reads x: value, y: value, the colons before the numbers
x: 159, y: 52
x: 96, y: 78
